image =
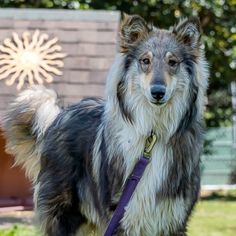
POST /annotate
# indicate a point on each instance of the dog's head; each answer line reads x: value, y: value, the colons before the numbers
x: 159, y: 63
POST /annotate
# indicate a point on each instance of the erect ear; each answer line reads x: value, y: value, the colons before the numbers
x: 188, y: 31
x: 133, y: 29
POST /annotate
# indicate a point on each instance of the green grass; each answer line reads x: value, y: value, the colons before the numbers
x: 19, y: 230
x: 214, y: 218
x: 215, y: 215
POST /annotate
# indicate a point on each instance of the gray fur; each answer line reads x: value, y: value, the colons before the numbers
x: 87, y: 151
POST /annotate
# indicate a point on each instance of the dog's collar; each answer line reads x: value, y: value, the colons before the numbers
x: 131, y: 185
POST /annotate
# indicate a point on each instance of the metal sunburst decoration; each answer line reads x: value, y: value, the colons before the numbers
x: 33, y: 59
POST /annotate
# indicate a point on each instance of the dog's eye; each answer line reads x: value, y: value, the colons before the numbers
x: 172, y: 62
x: 146, y: 61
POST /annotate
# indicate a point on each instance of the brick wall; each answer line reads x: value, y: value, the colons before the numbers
x: 87, y: 37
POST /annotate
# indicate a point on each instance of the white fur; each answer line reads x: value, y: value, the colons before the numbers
x: 40, y: 103
x: 145, y: 213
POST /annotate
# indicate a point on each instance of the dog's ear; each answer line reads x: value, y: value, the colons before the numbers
x: 188, y: 31
x: 133, y: 29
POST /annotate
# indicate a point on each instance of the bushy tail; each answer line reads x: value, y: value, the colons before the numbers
x: 24, y: 126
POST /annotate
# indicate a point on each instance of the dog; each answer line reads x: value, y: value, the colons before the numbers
x: 80, y: 157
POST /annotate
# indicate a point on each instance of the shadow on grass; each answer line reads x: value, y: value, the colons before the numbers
x: 220, y: 196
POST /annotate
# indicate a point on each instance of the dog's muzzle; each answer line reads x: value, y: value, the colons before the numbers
x: 158, y: 93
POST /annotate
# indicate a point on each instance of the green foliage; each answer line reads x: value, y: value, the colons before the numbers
x: 218, y: 22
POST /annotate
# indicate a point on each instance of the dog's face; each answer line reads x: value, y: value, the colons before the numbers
x: 159, y: 63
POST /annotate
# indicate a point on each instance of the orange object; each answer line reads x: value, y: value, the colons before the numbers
x: 15, y: 189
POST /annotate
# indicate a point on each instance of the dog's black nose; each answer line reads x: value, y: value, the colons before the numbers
x: 158, y: 92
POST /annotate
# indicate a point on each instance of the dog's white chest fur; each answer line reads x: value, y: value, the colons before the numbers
x: 146, y: 214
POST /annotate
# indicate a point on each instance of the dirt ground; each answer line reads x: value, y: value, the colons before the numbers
x: 16, y: 217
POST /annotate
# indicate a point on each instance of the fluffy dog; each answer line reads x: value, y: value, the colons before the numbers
x: 80, y: 157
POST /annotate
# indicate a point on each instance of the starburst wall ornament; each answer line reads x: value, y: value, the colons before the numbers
x: 33, y: 59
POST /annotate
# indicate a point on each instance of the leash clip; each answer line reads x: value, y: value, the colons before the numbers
x: 150, y: 142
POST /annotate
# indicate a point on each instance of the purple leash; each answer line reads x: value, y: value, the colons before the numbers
x: 131, y: 185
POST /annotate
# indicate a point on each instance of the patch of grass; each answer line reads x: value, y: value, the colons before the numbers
x: 20, y: 230
x: 214, y: 218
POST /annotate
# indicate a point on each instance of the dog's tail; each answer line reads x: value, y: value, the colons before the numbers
x: 24, y: 126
